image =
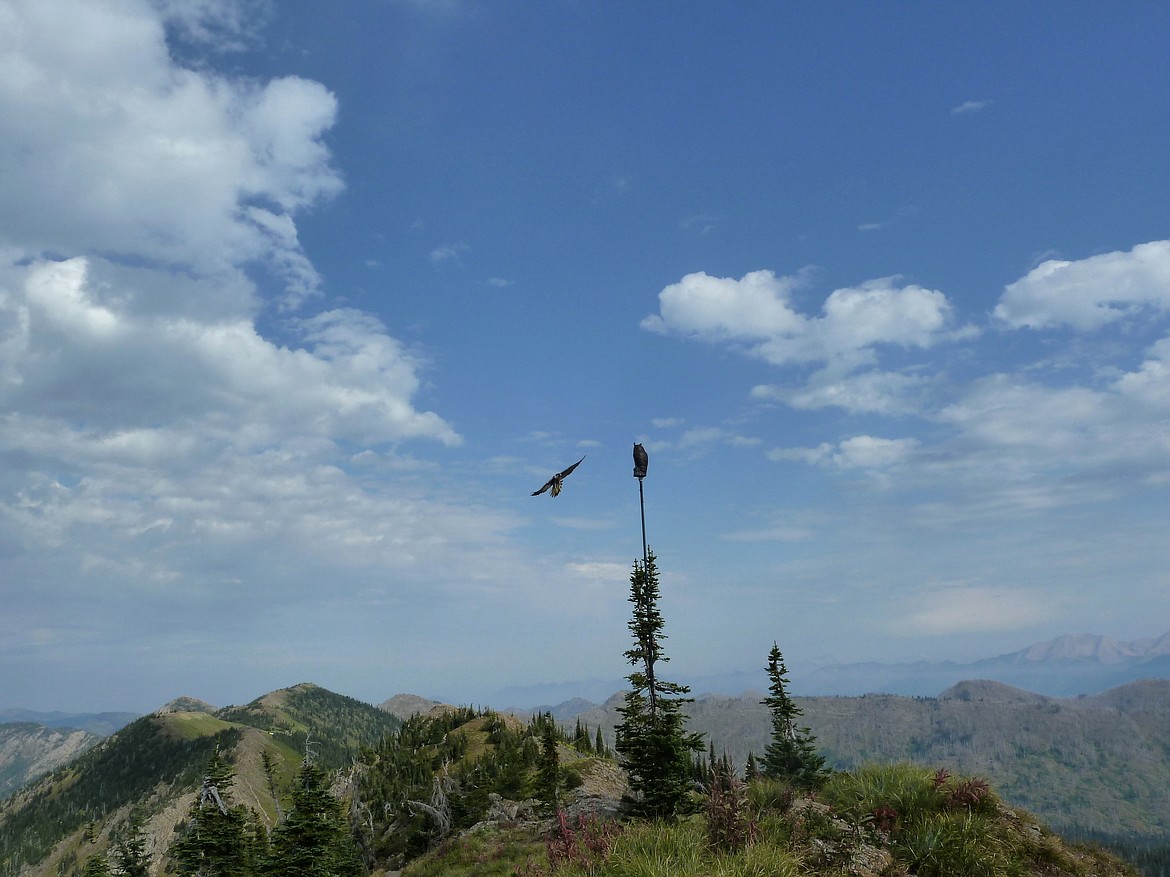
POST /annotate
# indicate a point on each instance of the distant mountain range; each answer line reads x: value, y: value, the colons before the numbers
x: 1098, y: 763
x: 1063, y: 667
x: 1067, y: 666
x: 98, y: 724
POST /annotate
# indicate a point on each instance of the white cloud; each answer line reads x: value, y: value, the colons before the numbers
x: 1019, y: 426
x: 111, y: 148
x: 1149, y: 386
x: 858, y: 452
x: 871, y: 391
x: 717, y: 308
x: 757, y: 309
x: 448, y: 253
x: 756, y: 315
x: 1089, y: 293
x: 601, y: 571
x: 152, y: 433
x: 970, y: 106
x: 699, y: 439
x: 86, y: 355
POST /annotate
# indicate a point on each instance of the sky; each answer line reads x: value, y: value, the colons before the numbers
x: 299, y: 302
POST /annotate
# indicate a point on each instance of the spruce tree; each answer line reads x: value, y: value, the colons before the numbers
x: 548, y: 770
x: 791, y: 754
x: 751, y: 770
x: 218, y: 840
x: 652, y: 742
x: 97, y: 866
x: 130, y: 851
x: 314, y: 839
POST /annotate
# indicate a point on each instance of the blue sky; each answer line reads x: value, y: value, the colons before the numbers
x: 300, y: 301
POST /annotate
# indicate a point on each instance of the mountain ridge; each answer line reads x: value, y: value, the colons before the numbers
x: 1065, y: 666
x: 158, y: 761
x: 1097, y: 761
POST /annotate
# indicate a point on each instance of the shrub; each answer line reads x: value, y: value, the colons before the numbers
x: 956, y: 845
x: 769, y: 795
x: 900, y: 794
x: 729, y: 824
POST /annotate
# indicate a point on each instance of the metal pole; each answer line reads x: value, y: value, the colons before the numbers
x: 642, y: 505
x: 641, y: 464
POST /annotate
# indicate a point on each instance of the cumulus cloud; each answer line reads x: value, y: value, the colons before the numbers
x: 1034, y: 438
x: 1089, y: 293
x: 757, y: 311
x: 756, y: 314
x: 87, y: 355
x: 112, y: 148
x: 146, y: 206
x: 1117, y: 428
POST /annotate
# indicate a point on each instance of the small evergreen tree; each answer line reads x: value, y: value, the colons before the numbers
x: 751, y: 770
x: 548, y: 770
x: 652, y: 741
x: 130, y: 851
x: 314, y: 839
x: 96, y: 866
x: 791, y: 754
x: 218, y: 840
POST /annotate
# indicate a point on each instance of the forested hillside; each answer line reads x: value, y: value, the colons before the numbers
x: 152, y: 769
x: 409, y: 793
x: 1100, y: 763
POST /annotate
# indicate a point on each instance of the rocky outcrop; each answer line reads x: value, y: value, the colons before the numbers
x: 28, y: 751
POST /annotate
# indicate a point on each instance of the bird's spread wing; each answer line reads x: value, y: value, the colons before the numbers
x: 555, y: 481
x: 566, y: 473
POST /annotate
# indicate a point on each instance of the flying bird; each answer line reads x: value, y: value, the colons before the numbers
x: 557, y: 481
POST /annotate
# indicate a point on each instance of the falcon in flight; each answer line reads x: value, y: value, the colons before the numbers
x: 557, y: 481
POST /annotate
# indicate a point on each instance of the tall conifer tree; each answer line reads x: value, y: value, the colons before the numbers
x: 791, y: 754
x: 652, y: 741
x: 548, y: 769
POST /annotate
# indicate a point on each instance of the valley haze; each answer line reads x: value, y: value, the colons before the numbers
x: 1068, y: 666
